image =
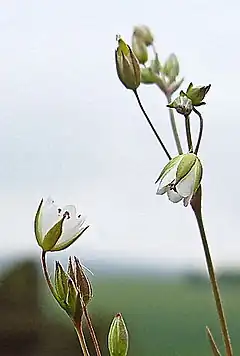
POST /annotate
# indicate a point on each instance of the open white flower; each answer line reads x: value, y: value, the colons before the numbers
x: 57, y: 228
x: 180, y: 178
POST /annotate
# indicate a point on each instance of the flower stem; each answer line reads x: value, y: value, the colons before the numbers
x: 213, y: 344
x: 82, y: 340
x: 151, y: 125
x: 174, y: 127
x: 196, y: 206
x: 46, y: 275
x: 91, y: 329
x: 200, y: 130
x: 188, y: 133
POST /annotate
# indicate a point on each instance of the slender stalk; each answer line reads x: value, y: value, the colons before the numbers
x: 174, y: 127
x: 196, y: 206
x: 200, y: 130
x: 151, y: 125
x: 213, y: 344
x: 188, y: 133
x: 91, y: 329
x: 82, y: 340
x: 46, y: 275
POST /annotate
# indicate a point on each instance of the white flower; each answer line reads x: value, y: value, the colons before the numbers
x: 180, y: 178
x: 57, y: 228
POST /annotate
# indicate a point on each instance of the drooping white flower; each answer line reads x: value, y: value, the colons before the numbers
x: 180, y: 178
x: 57, y: 228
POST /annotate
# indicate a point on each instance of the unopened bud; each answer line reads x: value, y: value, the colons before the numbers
x: 140, y: 49
x: 197, y: 94
x: 156, y: 65
x: 147, y: 76
x: 171, y: 67
x: 118, y: 337
x: 127, y: 65
x: 144, y: 33
x: 182, y: 104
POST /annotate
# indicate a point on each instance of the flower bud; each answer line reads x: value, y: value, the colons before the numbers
x: 66, y: 293
x: 139, y: 49
x: 156, y: 65
x: 72, y: 288
x: 144, y: 33
x: 182, y: 104
x: 118, y: 337
x: 197, y: 94
x: 147, y: 76
x: 171, y: 68
x: 127, y: 65
x: 180, y: 178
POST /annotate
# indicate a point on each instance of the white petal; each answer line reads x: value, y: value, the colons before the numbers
x: 168, y: 178
x: 161, y: 191
x: 49, y: 216
x: 72, y: 225
x: 186, y: 186
x: 174, y: 196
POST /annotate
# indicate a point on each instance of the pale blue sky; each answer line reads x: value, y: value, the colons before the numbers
x: 71, y: 130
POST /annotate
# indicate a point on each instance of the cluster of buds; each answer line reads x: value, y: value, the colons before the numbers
x: 73, y: 290
x: 194, y: 96
x: 148, y: 71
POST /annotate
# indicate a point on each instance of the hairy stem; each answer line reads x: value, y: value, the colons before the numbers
x: 82, y: 340
x: 174, y: 127
x: 151, y: 125
x: 91, y: 329
x: 200, y: 130
x: 196, y: 206
x: 188, y: 133
x: 213, y: 344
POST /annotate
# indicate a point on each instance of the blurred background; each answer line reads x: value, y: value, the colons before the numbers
x: 70, y: 130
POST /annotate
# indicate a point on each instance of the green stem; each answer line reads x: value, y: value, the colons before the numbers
x: 188, y: 133
x: 151, y: 125
x: 82, y: 340
x: 174, y: 127
x: 200, y: 130
x: 196, y: 206
x: 46, y: 275
x: 91, y: 329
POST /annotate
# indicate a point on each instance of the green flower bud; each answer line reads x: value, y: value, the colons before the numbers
x: 127, y: 65
x: 144, y: 33
x: 156, y: 65
x: 147, y: 76
x: 180, y: 178
x: 57, y: 228
x: 171, y: 68
x: 182, y: 104
x: 197, y: 94
x: 139, y: 49
x: 72, y: 288
x: 118, y: 337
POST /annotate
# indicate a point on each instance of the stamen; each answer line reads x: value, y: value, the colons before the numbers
x: 67, y: 214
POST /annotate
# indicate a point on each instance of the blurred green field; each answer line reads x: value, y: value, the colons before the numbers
x: 164, y: 317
